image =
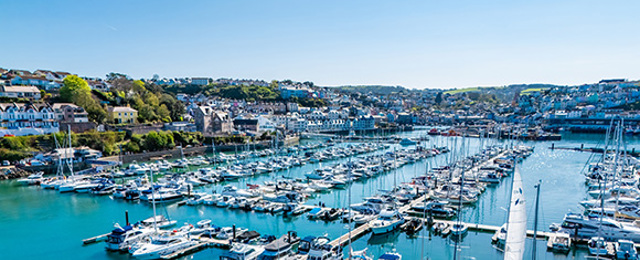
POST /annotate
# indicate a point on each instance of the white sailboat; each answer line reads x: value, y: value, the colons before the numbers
x: 517, y: 224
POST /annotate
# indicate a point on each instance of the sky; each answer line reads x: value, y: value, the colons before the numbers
x: 415, y: 44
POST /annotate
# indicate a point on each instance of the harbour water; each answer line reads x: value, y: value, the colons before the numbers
x: 44, y: 224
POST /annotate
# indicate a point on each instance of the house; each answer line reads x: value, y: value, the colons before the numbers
x: 98, y: 85
x: 27, y: 119
x: 78, y: 154
x: 180, y: 126
x: 246, y: 124
x: 406, y: 119
x: 200, y: 81
x: 29, y: 92
x: 123, y: 115
x: 211, y: 122
x: 34, y: 80
x: 70, y: 113
x: 265, y: 124
x: 287, y: 92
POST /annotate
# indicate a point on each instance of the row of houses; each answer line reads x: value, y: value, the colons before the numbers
x: 45, y: 79
x: 18, y: 119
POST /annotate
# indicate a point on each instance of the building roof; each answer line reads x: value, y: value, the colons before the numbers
x: 122, y: 109
x: 24, y: 106
x: 60, y: 105
x: 32, y: 77
x: 20, y: 89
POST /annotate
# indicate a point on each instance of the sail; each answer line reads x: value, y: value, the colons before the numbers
x: 517, y: 225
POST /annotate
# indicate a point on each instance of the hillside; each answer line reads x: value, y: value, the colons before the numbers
x: 376, y: 89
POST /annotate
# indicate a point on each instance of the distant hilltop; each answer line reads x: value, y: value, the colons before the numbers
x: 376, y: 89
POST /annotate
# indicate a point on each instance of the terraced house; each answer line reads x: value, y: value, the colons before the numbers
x: 27, y: 119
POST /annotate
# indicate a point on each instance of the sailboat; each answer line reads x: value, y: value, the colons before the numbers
x: 517, y: 223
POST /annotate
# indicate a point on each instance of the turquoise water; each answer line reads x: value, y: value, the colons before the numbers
x: 39, y: 224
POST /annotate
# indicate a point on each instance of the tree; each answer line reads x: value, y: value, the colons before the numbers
x: 138, y: 86
x: 72, y: 87
x: 163, y: 113
x: 146, y: 114
x: 151, y: 99
x: 115, y: 75
x: 77, y: 91
x: 439, y: 98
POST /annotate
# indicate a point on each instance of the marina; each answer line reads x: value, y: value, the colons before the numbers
x: 335, y: 198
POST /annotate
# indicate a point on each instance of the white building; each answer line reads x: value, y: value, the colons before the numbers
x: 265, y: 124
x: 30, y: 92
x: 27, y: 119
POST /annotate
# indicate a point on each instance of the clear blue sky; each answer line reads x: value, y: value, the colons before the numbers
x: 418, y: 44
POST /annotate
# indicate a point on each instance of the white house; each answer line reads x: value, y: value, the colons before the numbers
x: 265, y: 124
x: 27, y: 119
x: 30, y: 92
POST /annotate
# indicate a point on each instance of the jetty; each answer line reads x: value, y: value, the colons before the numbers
x: 95, y: 239
x: 356, y: 233
x: 189, y: 250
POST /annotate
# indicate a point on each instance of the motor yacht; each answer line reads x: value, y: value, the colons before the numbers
x: 33, y: 179
x: 162, y: 245
x: 121, y: 238
x: 242, y: 252
x: 388, y: 221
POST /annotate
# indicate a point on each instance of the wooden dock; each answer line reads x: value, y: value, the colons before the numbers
x: 356, y: 233
x: 194, y: 248
x: 487, y: 228
x: 214, y: 242
x: 95, y: 239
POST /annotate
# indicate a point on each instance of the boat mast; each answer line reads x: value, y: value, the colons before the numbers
x: 153, y: 202
x: 70, y: 158
x: 349, y: 206
x: 535, y: 220
x: 459, y: 222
